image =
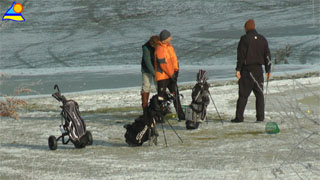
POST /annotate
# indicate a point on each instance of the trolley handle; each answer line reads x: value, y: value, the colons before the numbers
x: 58, y: 95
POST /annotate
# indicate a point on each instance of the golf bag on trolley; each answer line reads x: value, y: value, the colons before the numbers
x: 196, y: 112
x: 72, y: 125
x: 144, y: 127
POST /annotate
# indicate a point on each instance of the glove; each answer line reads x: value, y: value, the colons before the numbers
x: 238, y: 74
x: 175, y: 76
x: 268, y: 74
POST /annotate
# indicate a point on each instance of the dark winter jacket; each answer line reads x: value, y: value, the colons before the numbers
x: 253, y: 50
x: 147, y: 62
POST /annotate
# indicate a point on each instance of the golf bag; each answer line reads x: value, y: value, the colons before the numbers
x: 196, y: 112
x: 144, y: 127
x: 140, y: 131
x: 72, y: 125
x: 158, y: 109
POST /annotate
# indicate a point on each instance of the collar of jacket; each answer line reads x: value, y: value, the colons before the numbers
x: 163, y: 44
x: 148, y: 44
x: 251, y: 31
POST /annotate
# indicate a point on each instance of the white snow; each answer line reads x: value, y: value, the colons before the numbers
x: 214, y: 151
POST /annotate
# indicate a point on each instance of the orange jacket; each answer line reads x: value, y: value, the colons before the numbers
x: 166, y: 61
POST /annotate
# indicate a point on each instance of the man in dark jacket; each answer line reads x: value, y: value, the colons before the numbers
x: 253, y: 52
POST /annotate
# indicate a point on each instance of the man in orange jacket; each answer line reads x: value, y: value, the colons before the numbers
x: 167, y: 70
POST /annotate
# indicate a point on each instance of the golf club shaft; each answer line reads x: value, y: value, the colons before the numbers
x: 164, y: 134
x: 215, y: 107
x: 174, y: 131
x: 265, y: 97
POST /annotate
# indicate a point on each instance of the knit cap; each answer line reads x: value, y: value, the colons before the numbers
x: 164, y: 34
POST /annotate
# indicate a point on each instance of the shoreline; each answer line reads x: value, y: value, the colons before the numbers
x: 122, y: 79
x: 273, y: 78
x: 183, y: 85
x: 128, y: 99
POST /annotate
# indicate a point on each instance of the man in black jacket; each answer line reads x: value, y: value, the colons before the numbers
x: 253, y: 52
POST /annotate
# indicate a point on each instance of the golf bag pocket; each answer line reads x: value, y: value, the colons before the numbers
x: 137, y: 133
x: 195, y: 114
x: 200, y: 94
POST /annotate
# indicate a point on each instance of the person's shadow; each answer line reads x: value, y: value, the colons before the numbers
x: 33, y: 146
x: 108, y: 144
x: 69, y: 146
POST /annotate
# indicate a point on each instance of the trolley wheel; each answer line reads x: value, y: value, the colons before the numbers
x: 89, y: 138
x: 79, y: 145
x: 52, y: 142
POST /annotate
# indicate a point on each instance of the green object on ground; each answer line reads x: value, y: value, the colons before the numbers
x: 272, y: 128
x: 171, y: 116
x: 184, y: 107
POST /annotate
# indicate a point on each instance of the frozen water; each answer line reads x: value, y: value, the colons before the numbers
x: 88, y: 44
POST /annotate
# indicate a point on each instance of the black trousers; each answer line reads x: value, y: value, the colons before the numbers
x: 251, y: 81
x: 173, y: 88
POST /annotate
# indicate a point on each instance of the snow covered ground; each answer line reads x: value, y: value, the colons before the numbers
x: 214, y: 151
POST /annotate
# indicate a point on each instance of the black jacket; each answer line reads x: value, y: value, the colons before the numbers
x: 253, y: 49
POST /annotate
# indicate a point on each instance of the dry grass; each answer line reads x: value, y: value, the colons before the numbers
x: 281, y: 55
x: 10, y: 105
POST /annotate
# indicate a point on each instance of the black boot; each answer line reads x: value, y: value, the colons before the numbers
x: 236, y: 120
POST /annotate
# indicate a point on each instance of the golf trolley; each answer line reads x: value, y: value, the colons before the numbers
x: 72, y: 125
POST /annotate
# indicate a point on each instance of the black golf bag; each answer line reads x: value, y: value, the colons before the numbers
x: 144, y: 127
x: 72, y: 125
x: 139, y: 131
x: 196, y: 112
x: 159, y: 108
